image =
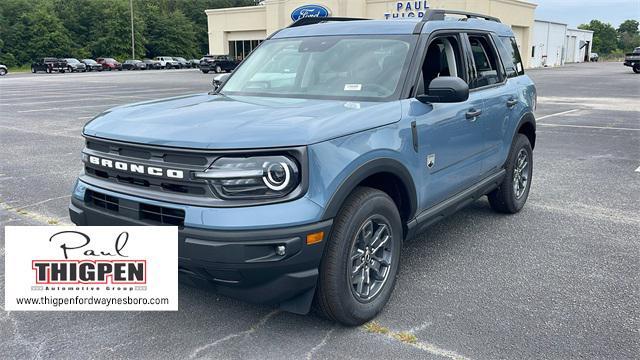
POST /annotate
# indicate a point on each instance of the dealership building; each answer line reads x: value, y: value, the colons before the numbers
x: 237, y: 31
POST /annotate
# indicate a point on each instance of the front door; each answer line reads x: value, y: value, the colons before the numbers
x: 450, y: 136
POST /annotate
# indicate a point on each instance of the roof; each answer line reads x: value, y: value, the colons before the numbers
x: 390, y: 27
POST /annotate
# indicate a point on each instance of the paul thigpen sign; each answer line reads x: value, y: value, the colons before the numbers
x: 91, y: 268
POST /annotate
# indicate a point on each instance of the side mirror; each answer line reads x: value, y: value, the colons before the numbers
x: 446, y: 89
x: 218, y: 80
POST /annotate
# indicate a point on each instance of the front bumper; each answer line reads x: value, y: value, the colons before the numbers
x: 238, y: 263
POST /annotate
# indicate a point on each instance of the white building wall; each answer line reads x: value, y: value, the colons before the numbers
x: 548, y: 44
x: 579, y: 44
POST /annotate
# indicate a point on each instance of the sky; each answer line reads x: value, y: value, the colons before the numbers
x: 576, y: 12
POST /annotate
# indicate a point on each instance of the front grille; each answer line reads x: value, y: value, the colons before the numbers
x: 166, y: 158
x: 151, y: 214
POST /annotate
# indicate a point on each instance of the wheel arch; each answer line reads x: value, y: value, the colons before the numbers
x: 527, y: 127
x: 385, y: 174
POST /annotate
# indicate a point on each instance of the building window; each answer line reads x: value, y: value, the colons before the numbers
x: 533, y: 51
x: 241, y: 49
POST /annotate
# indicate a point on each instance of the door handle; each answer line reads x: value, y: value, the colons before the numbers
x: 512, y: 102
x: 473, y: 114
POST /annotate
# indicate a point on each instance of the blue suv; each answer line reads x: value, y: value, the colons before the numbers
x: 296, y: 181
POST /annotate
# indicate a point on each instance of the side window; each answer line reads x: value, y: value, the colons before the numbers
x: 486, y: 62
x: 510, y: 56
x: 443, y: 58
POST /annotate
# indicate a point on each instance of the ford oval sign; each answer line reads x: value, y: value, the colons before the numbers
x: 309, y: 11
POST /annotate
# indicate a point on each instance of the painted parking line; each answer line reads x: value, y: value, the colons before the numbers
x: 638, y: 169
x: 590, y: 127
x: 556, y: 114
x: 119, y: 92
x: 106, y: 97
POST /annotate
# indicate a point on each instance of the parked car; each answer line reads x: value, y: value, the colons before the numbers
x: 182, y: 62
x: 49, y: 65
x: 152, y: 64
x: 3, y: 70
x: 74, y: 65
x: 167, y: 62
x: 593, y: 57
x: 134, y: 65
x: 194, y: 63
x: 633, y: 60
x: 217, y: 63
x: 299, y: 187
x: 109, y: 64
x: 92, y: 65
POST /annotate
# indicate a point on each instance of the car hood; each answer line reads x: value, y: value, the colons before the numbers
x: 206, y: 121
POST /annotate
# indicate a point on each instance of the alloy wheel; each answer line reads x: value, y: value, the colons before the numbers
x: 521, y: 174
x: 370, y: 258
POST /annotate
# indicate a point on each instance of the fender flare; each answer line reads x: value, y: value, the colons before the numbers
x: 369, y: 168
x: 526, y: 118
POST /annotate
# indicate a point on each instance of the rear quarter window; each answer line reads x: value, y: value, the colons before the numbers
x: 510, y: 55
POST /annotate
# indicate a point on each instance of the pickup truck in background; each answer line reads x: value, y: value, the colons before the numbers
x: 49, y: 65
x: 633, y: 60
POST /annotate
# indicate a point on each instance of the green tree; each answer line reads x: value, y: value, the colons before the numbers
x: 629, y: 35
x: 605, y: 36
x: 172, y: 34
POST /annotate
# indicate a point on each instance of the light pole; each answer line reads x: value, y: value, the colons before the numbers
x: 133, y: 39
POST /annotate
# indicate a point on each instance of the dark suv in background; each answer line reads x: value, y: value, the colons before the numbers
x: 217, y: 63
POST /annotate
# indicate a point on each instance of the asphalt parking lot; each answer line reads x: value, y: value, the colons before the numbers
x: 561, y: 279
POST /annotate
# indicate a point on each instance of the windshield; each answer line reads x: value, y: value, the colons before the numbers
x: 72, y: 61
x: 89, y: 61
x: 354, y: 67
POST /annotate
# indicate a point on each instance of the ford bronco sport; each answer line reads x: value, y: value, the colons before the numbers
x: 296, y: 181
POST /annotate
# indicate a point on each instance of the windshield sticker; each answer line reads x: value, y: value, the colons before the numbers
x: 352, y: 87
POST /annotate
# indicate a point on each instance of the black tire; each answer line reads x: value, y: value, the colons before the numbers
x: 33, y: 69
x: 70, y: 69
x: 3, y: 72
x: 218, y: 69
x: 505, y: 199
x: 636, y: 68
x: 205, y: 71
x: 49, y: 70
x: 336, y: 294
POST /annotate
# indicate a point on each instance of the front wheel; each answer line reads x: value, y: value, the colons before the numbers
x: 360, y: 263
x: 636, y: 68
x: 33, y: 70
x: 512, y: 194
x: 218, y: 69
x: 3, y: 72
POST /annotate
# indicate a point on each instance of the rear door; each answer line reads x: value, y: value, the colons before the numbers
x: 488, y: 83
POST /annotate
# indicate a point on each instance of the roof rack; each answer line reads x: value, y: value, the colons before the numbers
x: 439, y: 14
x: 316, y: 20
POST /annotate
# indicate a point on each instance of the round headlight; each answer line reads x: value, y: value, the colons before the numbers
x: 256, y: 177
x: 278, y: 176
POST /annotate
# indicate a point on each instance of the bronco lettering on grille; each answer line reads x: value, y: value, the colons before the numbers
x: 136, y: 168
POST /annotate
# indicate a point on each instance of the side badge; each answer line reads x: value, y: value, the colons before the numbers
x: 431, y: 160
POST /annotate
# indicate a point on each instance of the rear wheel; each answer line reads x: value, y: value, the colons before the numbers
x: 512, y: 194
x: 636, y: 68
x: 205, y: 71
x: 218, y: 69
x: 359, y: 266
x: 33, y: 69
x: 3, y: 72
